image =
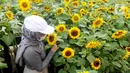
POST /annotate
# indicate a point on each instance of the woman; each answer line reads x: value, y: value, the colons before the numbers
x: 31, y: 52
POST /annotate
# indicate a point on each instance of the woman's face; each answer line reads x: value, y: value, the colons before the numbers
x: 43, y: 37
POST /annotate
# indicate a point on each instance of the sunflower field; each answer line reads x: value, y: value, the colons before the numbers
x: 93, y: 36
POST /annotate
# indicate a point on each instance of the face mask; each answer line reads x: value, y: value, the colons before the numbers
x: 43, y: 37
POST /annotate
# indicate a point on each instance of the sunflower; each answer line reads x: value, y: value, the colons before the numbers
x: 68, y: 9
x: 85, y: 72
x: 127, y: 54
x: 32, y: 0
x: 74, y: 0
x: 96, y: 64
x: 38, y: 1
x: 110, y: 9
x: 61, y: 28
x: 82, y: 10
x: 125, y: 9
x: 75, y: 4
x: 24, y: 5
x: 119, y: 34
x: 100, y: 9
x: 90, y: 4
x: 66, y: 1
x: 93, y: 44
x: 35, y: 13
x: 128, y: 49
x: 74, y: 32
x: 84, y: 3
x: 98, y: 23
x: 75, y: 18
x: 127, y: 15
x: 103, y: 1
x: 68, y: 53
x: 10, y: 15
x: 52, y: 38
x: 59, y: 11
x: 47, y: 8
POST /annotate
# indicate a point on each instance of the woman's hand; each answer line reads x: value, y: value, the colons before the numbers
x: 54, y: 48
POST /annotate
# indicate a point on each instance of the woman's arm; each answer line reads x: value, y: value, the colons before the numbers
x: 33, y: 59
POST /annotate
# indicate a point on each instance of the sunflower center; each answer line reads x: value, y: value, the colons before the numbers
x: 61, y: 28
x: 76, y: 18
x: 119, y: 33
x: 59, y: 11
x: 74, y: 33
x: 46, y: 7
x: 128, y: 49
x: 75, y: 4
x: 9, y: 14
x: 96, y: 63
x: 68, y: 53
x: 67, y: 0
x: 24, y: 4
x: 51, y: 38
x: 111, y: 9
x: 97, y: 22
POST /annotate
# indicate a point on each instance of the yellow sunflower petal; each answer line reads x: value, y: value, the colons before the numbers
x: 93, y: 44
x: 84, y: 3
x: 97, y: 23
x: 10, y: 15
x: 119, y: 34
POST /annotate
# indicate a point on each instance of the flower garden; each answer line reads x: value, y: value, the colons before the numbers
x: 93, y: 36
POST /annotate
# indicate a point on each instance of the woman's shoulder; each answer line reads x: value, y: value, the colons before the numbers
x: 32, y: 50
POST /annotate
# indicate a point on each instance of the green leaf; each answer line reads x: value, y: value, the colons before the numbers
x: 62, y: 71
x: 81, y: 62
x: 93, y: 71
x: 1, y: 46
x: 126, y: 68
x: 105, y: 62
x: 72, y: 69
x: 120, y: 21
x: 8, y: 39
x: 72, y: 60
x: 72, y: 41
x: 90, y: 58
x: 79, y: 43
x: 3, y: 65
x: 1, y: 59
x: 62, y: 17
x: 64, y: 34
x: 59, y: 38
x: 116, y: 64
x: 124, y: 43
x: 63, y: 45
x: 47, y: 47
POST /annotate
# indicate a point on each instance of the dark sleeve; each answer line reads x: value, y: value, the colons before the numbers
x: 34, y: 60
